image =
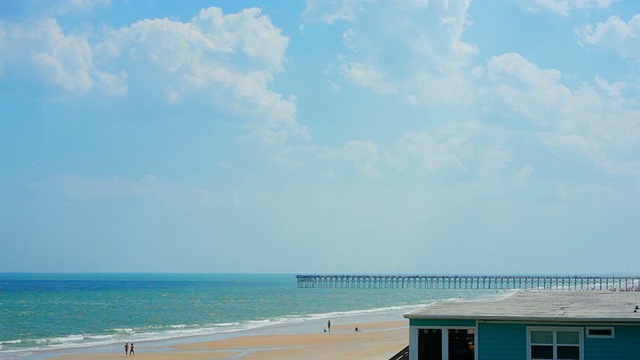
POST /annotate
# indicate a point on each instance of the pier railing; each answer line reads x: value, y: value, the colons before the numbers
x: 504, y: 282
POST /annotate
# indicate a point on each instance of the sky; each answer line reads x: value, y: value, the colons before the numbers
x: 343, y: 136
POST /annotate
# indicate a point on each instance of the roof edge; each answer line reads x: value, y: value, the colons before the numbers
x: 524, y: 318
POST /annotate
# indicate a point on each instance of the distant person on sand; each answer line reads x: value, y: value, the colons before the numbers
x: 329, y: 325
x: 357, y: 329
x: 131, y: 351
x: 126, y: 349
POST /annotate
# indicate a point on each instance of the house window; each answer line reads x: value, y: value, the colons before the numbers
x: 600, y: 332
x: 446, y: 344
x: 555, y: 343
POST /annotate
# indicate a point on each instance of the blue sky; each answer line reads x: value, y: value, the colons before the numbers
x: 357, y: 136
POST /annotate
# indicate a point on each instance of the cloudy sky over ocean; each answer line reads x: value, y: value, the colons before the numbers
x: 498, y: 136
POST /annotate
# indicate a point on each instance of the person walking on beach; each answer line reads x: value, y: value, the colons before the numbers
x: 126, y: 349
x: 329, y: 325
x: 131, y: 351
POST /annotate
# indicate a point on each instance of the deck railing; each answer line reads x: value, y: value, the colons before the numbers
x: 401, y: 355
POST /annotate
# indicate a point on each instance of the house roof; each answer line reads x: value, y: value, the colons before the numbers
x: 542, y: 306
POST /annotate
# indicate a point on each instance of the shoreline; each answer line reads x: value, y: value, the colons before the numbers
x: 313, y: 324
x: 305, y: 324
x: 281, y: 310
x: 374, y: 340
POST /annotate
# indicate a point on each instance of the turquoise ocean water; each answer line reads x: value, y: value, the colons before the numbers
x: 44, y: 314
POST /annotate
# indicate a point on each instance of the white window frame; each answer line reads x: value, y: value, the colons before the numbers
x: 555, y: 329
x: 611, y: 328
x: 415, y: 331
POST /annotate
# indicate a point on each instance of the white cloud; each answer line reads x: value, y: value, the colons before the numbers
x: 559, y: 7
x: 63, y: 59
x: 598, y: 123
x: 368, y: 76
x: 233, y: 57
x: 602, y: 128
x: 111, y: 83
x: 523, y: 176
x: 466, y: 150
x: 564, y: 7
x: 612, y: 89
x: 330, y: 12
x: 363, y: 154
x: 419, y: 55
x: 467, y: 155
x: 172, y: 95
x: 368, y: 170
x: 461, y: 147
x: 227, y: 58
x: 615, y: 34
x: 433, y: 151
x: 529, y: 90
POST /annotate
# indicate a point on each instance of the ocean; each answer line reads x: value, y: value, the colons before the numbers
x: 42, y: 315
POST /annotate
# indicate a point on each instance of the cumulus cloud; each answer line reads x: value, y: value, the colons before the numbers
x: 230, y: 59
x: 615, y: 35
x: 363, y: 154
x: 461, y: 147
x: 564, y: 7
x: 596, y: 122
x: 529, y: 90
x: 366, y: 75
x: 64, y: 60
x: 433, y: 151
x: 330, y: 12
x: 419, y: 55
x: 470, y: 154
x: 233, y: 57
x: 612, y: 89
x: 601, y: 126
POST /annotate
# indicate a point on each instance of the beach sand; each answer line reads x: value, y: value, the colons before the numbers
x: 374, y: 341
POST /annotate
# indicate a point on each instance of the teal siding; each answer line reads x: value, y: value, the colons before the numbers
x: 624, y: 346
x: 442, y: 322
x: 498, y: 341
x: 508, y: 341
x: 503, y: 341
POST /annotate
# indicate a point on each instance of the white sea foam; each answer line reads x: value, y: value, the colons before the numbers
x: 128, y: 330
x: 60, y: 340
x: 11, y: 342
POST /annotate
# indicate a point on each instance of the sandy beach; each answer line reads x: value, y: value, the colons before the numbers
x: 374, y: 341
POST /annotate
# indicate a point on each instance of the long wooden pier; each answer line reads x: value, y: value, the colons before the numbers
x: 498, y: 282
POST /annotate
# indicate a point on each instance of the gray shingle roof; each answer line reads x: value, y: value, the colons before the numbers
x: 543, y: 306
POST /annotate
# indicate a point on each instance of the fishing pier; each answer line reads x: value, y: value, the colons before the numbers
x: 498, y: 282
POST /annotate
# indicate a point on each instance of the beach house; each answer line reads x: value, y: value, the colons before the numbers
x: 562, y: 325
